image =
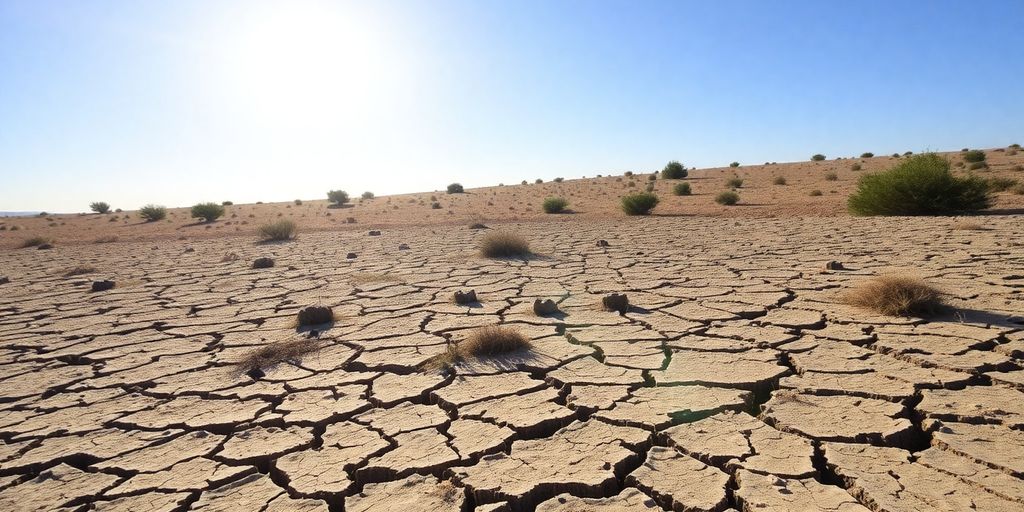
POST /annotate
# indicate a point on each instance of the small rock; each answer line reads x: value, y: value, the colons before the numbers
x: 315, y: 315
x: 403, y: 247
x: 544, y: 307
x: 602, y: 243
x: 100, y: 286
x: 255, y: 374
x: 616, y: 302
x: 833, y: 265
x: 263, y: 263
x: 44, y: 246
x: 374, y: 233
x: 351, y: 256
x: 190, y: 249
x: 477, y: 226
x: 462, y: 297
x: 4, y: 280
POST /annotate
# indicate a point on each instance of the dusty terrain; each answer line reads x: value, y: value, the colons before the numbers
x: 737, y: 380
x: 589, y: 198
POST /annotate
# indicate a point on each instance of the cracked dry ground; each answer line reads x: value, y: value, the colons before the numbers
x: 737, y: 381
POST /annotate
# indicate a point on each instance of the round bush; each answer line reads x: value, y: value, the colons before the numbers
x: 277, y: 231
x: 817, y: 158
x: 831, y: 176
x: 734, y: 183
x: 456, y: 188
x: 152, y: 213
x: 681, y: 189
x: 100, y: 207
x: 338, y: 197
x: 734, y: 164
x: 974, y: 155
x: 639, y: 204
x: 779, y: 180
x: 672, y: 171
x: 855, y: 167
x: 727, y: 198
x: 209, y: 212
x: 367, y: 195
x: 867, y: 155
x: 555, y: 204
x: 919, y: 185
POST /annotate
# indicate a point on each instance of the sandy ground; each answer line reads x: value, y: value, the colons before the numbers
x: 590, y: 199
x: 737, y: 379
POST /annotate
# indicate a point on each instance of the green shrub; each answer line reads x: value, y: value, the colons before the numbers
x: 555, y: 204
x: 831, y: 176
x: 734, y: 164
x: 559, y: 180
x: 209, y: 212
x: 817, y: 158
x: 652, y: 177
x: 1000, y: 184
x: 779, y: 180
x: 627, y: 173
x: 639, y: 204
x: 856, y: 167
x: 338, y: 197
x: 974, y: 166
x: 100, y: 207
x: 867, y: 155
x: 227, y: 203
x: 277, y: 231
x: 908, y: 153
x: 36, y: 241
x: 456, y: 188
x: 367, y: 195
x: 727, y: 198
x: 815, y: 193
x: 298, y: 202
x: 975, y: 155
x: 895, y: 155
x: 152, y: 213
x: 681, y: 189
x: 672, y: 171
x: 919, y: 185
x: 734, y: 182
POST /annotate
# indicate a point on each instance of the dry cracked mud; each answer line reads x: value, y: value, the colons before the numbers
x: 736, y: 380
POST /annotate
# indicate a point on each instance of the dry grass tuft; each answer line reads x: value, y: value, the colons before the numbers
x: 895, y: 296
x: 504, y: 244
x: 276, y: 353
x: 80, y: 270
x: 487, y: 341
x: 969, y: 226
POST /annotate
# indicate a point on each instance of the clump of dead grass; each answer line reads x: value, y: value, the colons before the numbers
x: 489, y: 341
x: 79, y: 270
x: 969, y: 226
x: 276, y: 353
x: 504, y: 244
x: 895, y: 296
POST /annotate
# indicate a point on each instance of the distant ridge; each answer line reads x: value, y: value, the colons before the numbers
x: 18, y: 214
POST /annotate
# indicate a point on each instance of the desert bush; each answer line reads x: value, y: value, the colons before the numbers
x: 275, y: 353
x: 974, y: 166
x: 538, y: 181
x: 627, y: 173
x: 504, y: 244
x: 867, y: 155
x: 817, y: 158
x: 974, y: 155
x: 559, y: 180
x: 492, y: 340
x: 734, y: 164
x: 652, y: 177
x: 1014, y: 146
x: 1018, y: 189
x: 209, y: 212
x: 779, y: 180
x: 435, y: 205
x: 856, y: 167
x: 918, y: 185
x: 681, y: 189
x: 277, y: 231
x: 36, y: 241
x: 338, y: 197
x: 734, y: 182
x: 79, y: 270
x: 908, y: 153
x: 227, y: 203
x: 815, y: 193
x: 639, y: 204
x: 555, y: 204
x: 152, y: 213
x: 727, y: 198
x: 672, y: 171
x: 831, y: 176
x: 456, y: 188
x: 297, y: 202
x: 895, y: 296
x: 367, y: 195
x: 99, y: 207
x: 1000, y: 184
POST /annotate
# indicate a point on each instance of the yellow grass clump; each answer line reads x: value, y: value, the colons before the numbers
x: 504, y: 244
x: 895, y: 296
x: 276, y: 353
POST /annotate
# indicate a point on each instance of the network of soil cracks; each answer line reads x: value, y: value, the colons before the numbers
x: 736, y: 380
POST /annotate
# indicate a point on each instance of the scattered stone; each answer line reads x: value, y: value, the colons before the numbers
x: 403, y: 247
x: 4, y: 280
x: 374, y: 233
x: 263, y: 262
x: 467, y: 297
x: 44, y: 246
x: 834, y: 265
x: 102, y: 286
x: 544, y: 307
x: 616, y: 302
x: 315, y: 315
x: 477, y: 226
x: 351, y: 256
x: 602, y: 243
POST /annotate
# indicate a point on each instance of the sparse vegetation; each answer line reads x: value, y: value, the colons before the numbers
x: 974, y: 155
x: 367, y: 195
x: 152, y: 213
x: 867, y: 155
x: 277, y: 231
x: 491, y: 341
x: 297, y: 202
x: 734, y: 164
x: 831, y: 176
x: 734, y: 182
x: 79, y: 270
x: 337, y: 197
x: 100, y: 207
x: 817, y: 158
x: 672, y: 171
x: 559, y: 180
x: 1000, y: 184
x: 895, y: 296
x: 36, y: 241
x: 974, y: 166
x: 555, y: 204
x: 919, y: 185
x: 727, y: 198
x: 639, y: 204
x: 273, y: 354
x: 504, y: 244
x: 456, y: 188
x: 779, y: 180
x: 856, y: 167
x: 209, y: 212
x: 538, y: 181
x: 681, y: 189
x: 227, y: 203
x: 815, y: 193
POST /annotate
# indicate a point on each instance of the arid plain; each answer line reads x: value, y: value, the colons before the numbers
x: 738, y: 378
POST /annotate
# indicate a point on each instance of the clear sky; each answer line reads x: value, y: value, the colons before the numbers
x: 177, y: 102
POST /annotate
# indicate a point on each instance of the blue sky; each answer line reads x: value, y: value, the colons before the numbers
x: 136, y: 102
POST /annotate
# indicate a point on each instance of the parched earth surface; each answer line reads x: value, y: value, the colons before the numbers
x: 737, y: 380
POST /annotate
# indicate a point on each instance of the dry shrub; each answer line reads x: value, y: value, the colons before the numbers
x: 895, y: 296
x: 278, y: 231
x: 492, y: 340
x: 969, y: 226
x: 504, y: 244
x: 79, y: 270
x: 36, y: 241
x: 276, y: 353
